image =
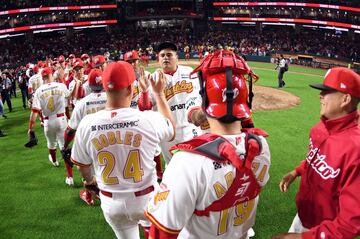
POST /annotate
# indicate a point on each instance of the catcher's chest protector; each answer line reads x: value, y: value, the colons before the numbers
x: 245, y: 186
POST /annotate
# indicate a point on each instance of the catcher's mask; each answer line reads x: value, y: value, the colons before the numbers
x: 223, y: 86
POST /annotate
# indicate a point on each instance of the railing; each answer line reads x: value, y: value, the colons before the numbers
x: 57, y: 25
x: 288, y: 20
x: 286, y: 4
x: 65, y: 8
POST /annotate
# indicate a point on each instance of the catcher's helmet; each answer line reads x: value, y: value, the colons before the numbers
x: 223, y: 86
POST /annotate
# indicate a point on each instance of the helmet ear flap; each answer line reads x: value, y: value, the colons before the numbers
x: 202, y: 91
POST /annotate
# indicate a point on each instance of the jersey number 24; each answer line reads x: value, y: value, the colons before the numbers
x: 132, y: 169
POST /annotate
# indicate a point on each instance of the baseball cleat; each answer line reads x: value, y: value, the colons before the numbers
x: 86, y: 196
x: 251, y: 232
x: 56, y: 163
x: 69, y: 181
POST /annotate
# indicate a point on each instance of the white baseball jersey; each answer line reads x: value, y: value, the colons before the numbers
x: 90, y: 104
x: 72, y: 84
x: 182, y: 94
x: 35, y: 82
x: 192, y: 181
x: 50, y: 98
x: 136, y: 92
x: 121, y: 145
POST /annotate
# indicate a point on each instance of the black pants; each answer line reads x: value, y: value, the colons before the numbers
x: 13, y: 90
x: 25, y: 96
x: 6, y: 97
x: 280, y: 77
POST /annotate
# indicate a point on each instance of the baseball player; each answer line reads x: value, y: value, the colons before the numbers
x: 211, y: 185
x: 87, y: 63
x: 187, y: 53
x: 99, y: 62
x: 120, y: 143
x: 182, y: 95
x: 90, y: 104
x: 35, y: 80
x: 78, y: 86
x: 328, y: 202
x: 132, y: 57
x: 50, y: 100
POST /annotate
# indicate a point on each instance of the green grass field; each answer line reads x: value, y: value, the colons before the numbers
x: 36, y: 203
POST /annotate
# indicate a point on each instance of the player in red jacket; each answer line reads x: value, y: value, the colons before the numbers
x: 328, y: 201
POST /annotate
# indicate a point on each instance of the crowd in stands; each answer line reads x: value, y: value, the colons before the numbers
x: 244, y: 42
x: 18, y: 4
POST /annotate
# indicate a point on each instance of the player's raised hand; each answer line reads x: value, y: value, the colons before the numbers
x: 144, y: 82
x: 158, y: 85
x: 287, y: 180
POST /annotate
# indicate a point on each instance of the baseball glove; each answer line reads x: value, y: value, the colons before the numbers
x: 66, y: 155
x: 32, y: 140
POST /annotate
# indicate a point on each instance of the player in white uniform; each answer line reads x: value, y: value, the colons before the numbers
x: 79, y: 87
x: 133, y: 58
x: 90, y: 104
x: 120, y: 143
x: 50, y: 99
x: 182, y: 95
x: 211, y: 185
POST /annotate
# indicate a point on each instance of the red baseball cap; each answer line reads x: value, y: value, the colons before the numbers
x: 71, y: 56
x: 36, y: 69
x: 46, y: 71
x: 131, y: 56
x: 340, y: 79
x: 118, y: 75
x: 95, y: 80
x: 78, y: 63
x: 61, y: 58
x: 84, y: 56
x: 41, y: 64
x: 99, y: 60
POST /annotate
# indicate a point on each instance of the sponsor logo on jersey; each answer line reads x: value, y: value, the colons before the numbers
x: 190, y: 102
x: 177, y: 107
x: 98, y: 102
x: 178, y: 88
x: 318, y: 163
x: 161, y: 196
x: 119, y: 125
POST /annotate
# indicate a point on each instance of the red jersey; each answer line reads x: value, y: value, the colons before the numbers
x: 328, y: 200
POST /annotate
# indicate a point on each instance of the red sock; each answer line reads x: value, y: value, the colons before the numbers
x: 68, y: 169
x: 67, y: 112
x: 146, y: 231
x: 53, y: 154
x: 159, y: 171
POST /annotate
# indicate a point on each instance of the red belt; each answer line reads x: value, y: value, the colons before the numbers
x: 57, y: 115
x: 137, y: 194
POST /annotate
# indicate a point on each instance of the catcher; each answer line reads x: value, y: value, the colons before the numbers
x: 213, y: 181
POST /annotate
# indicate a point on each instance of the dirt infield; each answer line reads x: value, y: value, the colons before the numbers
x: 266, y: 98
